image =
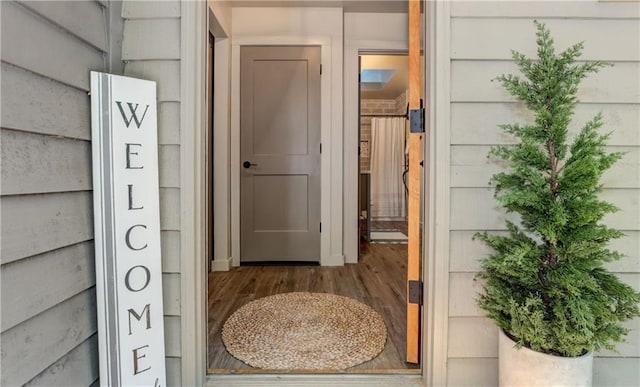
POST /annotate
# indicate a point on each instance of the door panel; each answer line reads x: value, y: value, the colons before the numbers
x: 280, y: 140
x: 292, y: 190
x: 280, y: 124
x: 414, y: 259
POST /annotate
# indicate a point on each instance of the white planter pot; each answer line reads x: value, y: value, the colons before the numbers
x: 524, y: 367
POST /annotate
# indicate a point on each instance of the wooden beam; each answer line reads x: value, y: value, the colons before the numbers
x: 415, y: 171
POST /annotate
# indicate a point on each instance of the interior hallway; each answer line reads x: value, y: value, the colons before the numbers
x: 378, y: 281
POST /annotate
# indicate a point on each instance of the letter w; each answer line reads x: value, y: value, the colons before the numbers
x: 133, y: 111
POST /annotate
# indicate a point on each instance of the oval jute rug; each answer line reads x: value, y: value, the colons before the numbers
x: 304, y: 331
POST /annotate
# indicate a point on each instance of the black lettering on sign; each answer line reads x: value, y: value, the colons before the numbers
x: 129, y: 153
x: 147, y: 274
x: 146, y: 311
x: 134, y: 116
x: 136, y: 357
x: 131, y: 207
x: 127, y: 237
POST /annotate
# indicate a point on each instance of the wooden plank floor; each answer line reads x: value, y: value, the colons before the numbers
x: 378, y: 281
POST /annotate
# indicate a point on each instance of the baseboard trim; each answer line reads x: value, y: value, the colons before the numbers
x: 334, y: 260
x: 221, y: 264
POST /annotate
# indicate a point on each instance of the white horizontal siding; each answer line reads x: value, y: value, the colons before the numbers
x: 601, y: 37
x: 472, y: 372
x: 471, y: 337
x: 151, y: 9
x: 611, y: 32
x: 34, y: 103
x: 80, y: 18
x: 561, y: 10
x: 628, y: 201
x: 463, y: 292
x: 629, y: 246
x: 78, y: 368
x: 32, y: 43
x: 169, y: 123
x: 168, y: 157
x: 151, y: 39
x: 466, y: 252
x: 616, y: 372
x: 476, y: 209
x: 61, y: 274
x: 172, y: 336
x: 174, y: 371
x: 169, y: 209
x: 47, y: 273
x: 34, y: 163
x: 34, y: 345
x: 631, y: 346
x: 165, y: 72
x: 470, y: 167
x: 34, y: 224
x: 472, y: 82
x: 476, y: 123
x: 171, y: 295
x: 170, y: 241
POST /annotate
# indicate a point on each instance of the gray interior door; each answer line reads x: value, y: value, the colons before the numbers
x: 280, y: 153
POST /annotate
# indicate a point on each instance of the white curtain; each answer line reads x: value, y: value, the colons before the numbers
x: 387, y: 164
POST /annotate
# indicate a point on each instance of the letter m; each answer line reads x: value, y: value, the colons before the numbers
x: 146, y: 310
x: 133, y: 110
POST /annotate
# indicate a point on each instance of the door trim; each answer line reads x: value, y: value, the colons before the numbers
x: 193, y: 270
x: 192, y: 361
x: 352, y: 49
x: 291, y: 233
x: 330, y: 180
x: 435, y: 344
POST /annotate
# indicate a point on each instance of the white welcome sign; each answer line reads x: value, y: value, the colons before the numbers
x: 127, y: 231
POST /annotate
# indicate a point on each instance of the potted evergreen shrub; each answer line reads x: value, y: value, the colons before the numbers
x: 545, y: 284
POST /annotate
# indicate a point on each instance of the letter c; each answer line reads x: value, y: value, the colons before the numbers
x: 127, y: 237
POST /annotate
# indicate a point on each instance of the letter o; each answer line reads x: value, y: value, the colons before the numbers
x: 147, y: 274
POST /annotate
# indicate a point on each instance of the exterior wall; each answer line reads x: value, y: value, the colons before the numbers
x: 47, y: 260
x: 151, y: 50
x: 482, y: 33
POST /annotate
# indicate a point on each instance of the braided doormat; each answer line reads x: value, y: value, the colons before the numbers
x: 304, y: 331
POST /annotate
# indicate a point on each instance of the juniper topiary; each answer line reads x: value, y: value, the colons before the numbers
x: 545, y: 283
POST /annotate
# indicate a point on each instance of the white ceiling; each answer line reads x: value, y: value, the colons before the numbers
x: 375, y: 6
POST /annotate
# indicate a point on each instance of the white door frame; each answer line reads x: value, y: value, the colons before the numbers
x: 328, y: 184
x: 193, y: 263
x: 352, y: 49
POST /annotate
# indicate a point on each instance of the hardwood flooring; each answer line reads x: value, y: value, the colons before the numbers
x: 378, y: 281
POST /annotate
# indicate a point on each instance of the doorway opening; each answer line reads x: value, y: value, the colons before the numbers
x: 383, y: 150
x: 378, y: 280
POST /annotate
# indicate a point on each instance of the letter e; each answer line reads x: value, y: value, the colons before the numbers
x: 129, y: 153
x: 136, y: 357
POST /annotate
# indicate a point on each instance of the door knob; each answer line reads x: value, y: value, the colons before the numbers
x: 248, y: 164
